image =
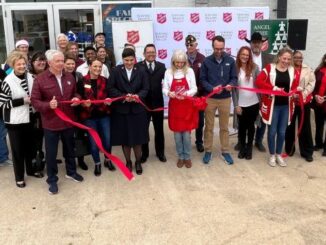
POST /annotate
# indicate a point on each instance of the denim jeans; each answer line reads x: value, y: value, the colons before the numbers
x: 277, y: 128
x: 102, y: 127
x: 183, y: 144
x: 3, y: 142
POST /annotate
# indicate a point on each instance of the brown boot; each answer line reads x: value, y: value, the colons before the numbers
x: 180, y: 163
x: 188, y: 163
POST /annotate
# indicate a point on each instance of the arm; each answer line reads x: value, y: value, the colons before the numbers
x: 5, y: 97
x: 192, y: 83
x: 36, y: 98
x: 262, y: 81
x: 322, y: 88
x: 309, y: 88
x: 113, y: 90
x: 145, y: 85
x: 167, y: 81
x: 204, y: 78
x: 233, y: 75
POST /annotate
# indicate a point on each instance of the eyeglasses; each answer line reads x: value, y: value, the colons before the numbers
x: 190, y: 45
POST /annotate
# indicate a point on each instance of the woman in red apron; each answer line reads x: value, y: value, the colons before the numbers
x: 180, y: 85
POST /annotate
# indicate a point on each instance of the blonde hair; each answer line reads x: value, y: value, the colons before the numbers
x: 181, y: 56
x: 283, y: 51
x: 14, y: 56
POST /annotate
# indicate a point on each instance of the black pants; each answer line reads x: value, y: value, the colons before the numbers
x: 158, y: 120
x: 247, y: 124
x: 199, y: 130
x: 51, y: 149
x: 37, y: 138
x: 319, y: 121
x: 306, y: 144
x: 20, y: 137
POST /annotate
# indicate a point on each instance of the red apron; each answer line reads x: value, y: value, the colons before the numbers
x: 183, y: 116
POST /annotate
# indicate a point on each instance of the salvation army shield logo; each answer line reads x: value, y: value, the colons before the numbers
x: 259, y: 16
x: 194, y: 17
x: 178, y: 35
x: 133, y: 37
x: 210, y: 35
x: 242, y: 34
x: 227, y: 17
x: 228, y: 51
x: 162, y: 53
x: 161, y: 18
x: 265, y: 46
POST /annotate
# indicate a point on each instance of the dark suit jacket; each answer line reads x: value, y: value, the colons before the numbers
x: 119, y: 85
x: 154, y: 97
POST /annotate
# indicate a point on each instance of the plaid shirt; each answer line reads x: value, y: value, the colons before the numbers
x: 85, y: 91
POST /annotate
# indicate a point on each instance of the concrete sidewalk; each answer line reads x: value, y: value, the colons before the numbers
x: 247, y: 203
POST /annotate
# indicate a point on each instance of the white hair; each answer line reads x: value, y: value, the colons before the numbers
x: 51, y: 53
x: 62, y: 35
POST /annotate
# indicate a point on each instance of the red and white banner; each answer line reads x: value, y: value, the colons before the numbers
x: 172, y: 25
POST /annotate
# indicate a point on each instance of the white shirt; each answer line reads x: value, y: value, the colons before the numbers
x: 258, y: 61
x: 84, y: 68
x: 129, y: 73
x: 190, y: 77
x: 246, y: 98
x: 153, y: 64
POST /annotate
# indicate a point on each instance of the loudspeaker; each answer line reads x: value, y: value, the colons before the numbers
x: 297, y: 34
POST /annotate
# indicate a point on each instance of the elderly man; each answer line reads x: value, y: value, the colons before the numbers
x: 51, y: 87
x: 195, y: 59
x: 218, y: 70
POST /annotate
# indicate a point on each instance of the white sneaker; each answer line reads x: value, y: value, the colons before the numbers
x: 280, y: 160
x: 272, y: 161
x: 7, y: 162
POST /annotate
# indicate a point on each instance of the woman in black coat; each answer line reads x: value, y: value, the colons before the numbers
x: 129, y: 119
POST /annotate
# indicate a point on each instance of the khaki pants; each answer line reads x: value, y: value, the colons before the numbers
x: 223, y: 107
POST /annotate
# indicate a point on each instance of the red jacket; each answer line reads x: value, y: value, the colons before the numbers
x: 44, y: 88
x: 266, y: 80
x: 322, y: 88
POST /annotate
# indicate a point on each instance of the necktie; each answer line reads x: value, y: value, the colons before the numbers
x: 150, y: 68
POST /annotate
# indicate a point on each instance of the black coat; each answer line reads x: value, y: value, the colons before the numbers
x: 154, y: 98
x: 119, y: 85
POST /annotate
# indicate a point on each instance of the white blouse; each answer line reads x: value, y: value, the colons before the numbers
x: 190, y: 77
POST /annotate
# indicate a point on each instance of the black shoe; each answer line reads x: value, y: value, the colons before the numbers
x: 309, y: 159
x: 59, y: 161
x: 237, y: 147
x: 75, y: 177
x: 53, y: 188
x: 260, y: 147
x: 20, y: 185
x: 242, y: 153
x: 317, y: 147
x: 249, y: 152
x: 97, y: 170
x: 129, y: 165
x: 162, y: 158
x: 108, y: 164
x: 324, y: 153
x: 138, y: 167
x: 143, y: 159
x: 37, y: 175
x: 200, y: 147
x: 291, y: 153
x: 82, y: 165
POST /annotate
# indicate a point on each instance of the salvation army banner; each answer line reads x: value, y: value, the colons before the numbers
x: 138, y: 33
x: 172, y: 25
x: 275, y: 30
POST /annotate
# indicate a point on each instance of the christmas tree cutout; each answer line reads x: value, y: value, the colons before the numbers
x: 281, y: 39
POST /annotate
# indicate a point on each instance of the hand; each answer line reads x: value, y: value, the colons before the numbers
x: 87, y: 104
x: 228, y: 88
x: 171, y: 94
x: 299, y: 88
x: 53, y: 103
x: 238, y: 110
x: 109, y: 102
x: 179, y: 97
x: 135, y: 98
x: 275, y: 88
x: 218, y: 88
x: 319, y: 99
x: 75, y: 100
x: 128, y: 98
x: 27, y: 100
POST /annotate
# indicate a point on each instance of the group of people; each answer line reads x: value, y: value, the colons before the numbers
x: 32, y: 88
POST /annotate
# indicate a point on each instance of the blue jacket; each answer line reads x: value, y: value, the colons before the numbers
x: 213, y: 74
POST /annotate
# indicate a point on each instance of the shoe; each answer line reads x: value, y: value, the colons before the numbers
x: 20, y: 184
x: 37, y: 175
x: 200, y: 147
x: 207, y: 157
x: 242, y: 153
x: 82, y: 165
x: 309, y: 159
x: 260, y: 147
x: 108, y: 164
x: 249, y: 152
x: 53, y: 188
x: 291, y: 153
x: 180, y: 163
x: 7, y: 162
x: 317, y: 147
x: 237, y: 147
x: 75, y: 177
x: 324, y: 153
x: 187, y: 163
x: 143, y: 159
x: 162, y: 158
x: 227, y: 158
x: 59, y: 161
x: 138, y: 167
x: 129, y: 165
x: 97, y: 170
x: 280, y: 160
x: 272, y: 161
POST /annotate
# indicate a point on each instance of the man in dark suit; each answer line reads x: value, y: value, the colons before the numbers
x: 155, y: 71
x: 261, y: 59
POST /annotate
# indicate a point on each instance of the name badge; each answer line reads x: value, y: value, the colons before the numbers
x: 88, y: 86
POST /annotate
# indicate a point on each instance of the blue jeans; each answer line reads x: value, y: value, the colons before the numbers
x: 183, y: 144
x: 278, y: 127
x: 102, y: 127
x: 3, y: 142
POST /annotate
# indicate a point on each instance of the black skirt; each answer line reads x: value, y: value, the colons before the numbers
x: 129, y: 129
